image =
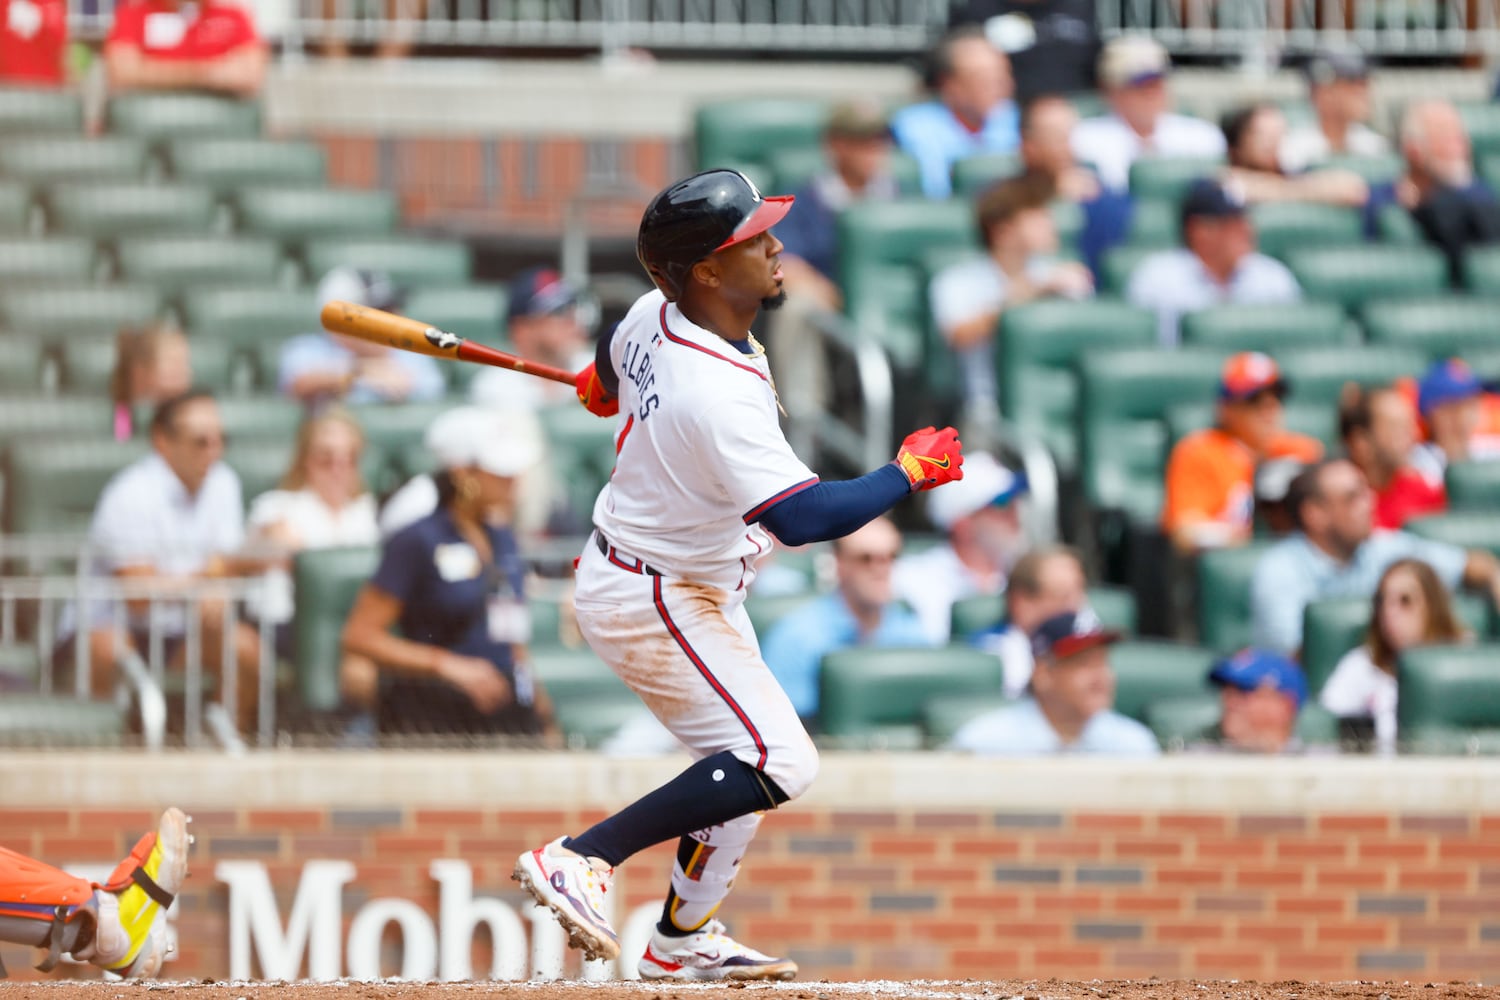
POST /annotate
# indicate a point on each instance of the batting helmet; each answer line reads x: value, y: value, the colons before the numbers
x: 695, y: 217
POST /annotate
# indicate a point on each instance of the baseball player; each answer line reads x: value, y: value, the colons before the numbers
x: 115, y: 925
x: 703, y: 480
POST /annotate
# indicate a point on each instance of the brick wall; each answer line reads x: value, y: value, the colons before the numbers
x: 961, y: 893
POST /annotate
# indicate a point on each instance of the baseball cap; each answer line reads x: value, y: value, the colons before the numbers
x: 540, y: 291
x: 501, y: 443
x: 1447, y: 382
x: 1329, y: 65
x: 374, y: 289
x: 1249, y: 373
x: 1250, y: 669
x: 986, y: 483
x: 1133, y: 60
x: 1069, y: 633
x: 1207, y: 198
x: 857, y: 119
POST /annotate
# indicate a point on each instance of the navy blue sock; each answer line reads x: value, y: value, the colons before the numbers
x: 714, y: 790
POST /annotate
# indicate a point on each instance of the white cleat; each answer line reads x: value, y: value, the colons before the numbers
x: 709, y: 955
x: 573, y: 888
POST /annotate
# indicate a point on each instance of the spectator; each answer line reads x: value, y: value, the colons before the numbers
x: 1453, y: 208
x: 1335, y: 552
x: 1410, y: 608
x: 1254, y: 135
x: 1210, y: 491
x: 321, y: 503
x: 1046, y: 581
x: 1379, y: 431
x: 546, y: 324
x: 1133, y: 75
x: 318, y: 368
x: 984, y: 540
x: 178, y: 45
x: 1272, y: 479
x: 1047, y: 125
x: 1070, y: 709
x: 1338, y: 82
x: 862, y: 612
x: 972, y: 113
x: 1217, y: 265
x: 968, y: 297
x: 1052, y: 44
x: 33, y: 42
x: 453, y: 583
x: 152, y: 365
x: 1450, y: 398
x: 174, y: 518
x: 857, y: 145
x: 1262, y: 694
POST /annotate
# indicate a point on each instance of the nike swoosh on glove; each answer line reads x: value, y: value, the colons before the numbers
x: 592, y: 394
x: 931, y: 457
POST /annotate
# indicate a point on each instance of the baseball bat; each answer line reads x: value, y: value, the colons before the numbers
x: 406, y: 334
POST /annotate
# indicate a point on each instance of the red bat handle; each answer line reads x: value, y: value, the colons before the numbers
x: 479, y: 354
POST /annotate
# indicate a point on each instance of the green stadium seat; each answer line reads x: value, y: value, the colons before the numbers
x: 1120, y: 263
x: 1473, y: 485
x: 228, y: 164
x: 1155, y: 223
x: 973, y: 174
x: 1317, y: 374
x: 1489, y: 169
x: 179, y: 263
x: 737, y: 131
x: 1115, y: 606
x: 408, y: 261
x: 1482, y: 270
x: 1449, y: 701
x: 473, y: 311
x: 1440, y: 326
x: 1374, y: 169
x: 940, y: 367
x: 46, y: 720
x: 299, y: 214
x: 1331, y: 628
x: 30, y: 110
x: 945, y: 715
x: 592, y: 703
x: 79, y: 309
x: 395, y: 428
x: 20, y: 667
x: 56, y: 258
x: 1037, y: 346
x: 55, y: 481
x: 1224, y: 577
x: 326, y: 582
x: 1068, y: 217
x: 107, y: 211
x: 971, y: 615
x: 28, y: 416
x: 582, y: 450
x: 1352, y: 276
x: 1319, y: 420
x: 250, y: 317
x: 88, y: 363
x: 1169, y: 177
x: 57, y: 158
x: 880, y: 267
x: 793, y: 168
x: 1183, y: 721
x: 1482, y: 119
x: 259, y: 463
x: 1149, y: 671
x: 878, y: 694
x: 24, y: 365
x: 1281, y: 227
x: 546, y: 623
x: 1394, y: 225
x: 15, y: 207
x: 1124, y: 398
x: 260, y: 418
x: 1467, y: 529
x: 766, y: 612
x: 1268, y: 328
x: 160, y: 116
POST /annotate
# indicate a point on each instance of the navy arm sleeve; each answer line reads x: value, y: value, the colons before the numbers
x: 603, y: 366
x: 832, y: 510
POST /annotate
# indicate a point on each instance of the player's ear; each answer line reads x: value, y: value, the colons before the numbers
x: 706, y: 272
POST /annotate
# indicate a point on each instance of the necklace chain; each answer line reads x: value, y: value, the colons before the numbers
x: 760, y: 351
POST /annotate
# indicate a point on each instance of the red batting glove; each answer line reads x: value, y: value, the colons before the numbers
x: 592, y: 394
x: 931, y: 457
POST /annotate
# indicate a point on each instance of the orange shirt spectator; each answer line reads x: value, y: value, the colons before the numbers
x: 1210, y: 498
x: 33, y: 41
x: 170, y: 45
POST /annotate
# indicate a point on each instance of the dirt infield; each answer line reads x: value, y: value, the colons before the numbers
x: 1051, y: 989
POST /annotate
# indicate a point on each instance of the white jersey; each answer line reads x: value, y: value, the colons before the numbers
x: 700, y: 453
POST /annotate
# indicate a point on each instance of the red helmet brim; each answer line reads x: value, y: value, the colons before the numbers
x: 771, y: 211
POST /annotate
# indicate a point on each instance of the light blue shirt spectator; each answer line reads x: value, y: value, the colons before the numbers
x: 317, y: 352
x: 1021, y: 730
x: 1172, y: 283
x: 934, y: 136
x: 795, y: 647
x: 1295, y: 572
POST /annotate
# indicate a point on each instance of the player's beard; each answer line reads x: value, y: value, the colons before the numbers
x: 775, y: 301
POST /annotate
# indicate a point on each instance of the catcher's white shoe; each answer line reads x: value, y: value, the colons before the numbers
x: 572, y: 887
x: 709, y: 954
